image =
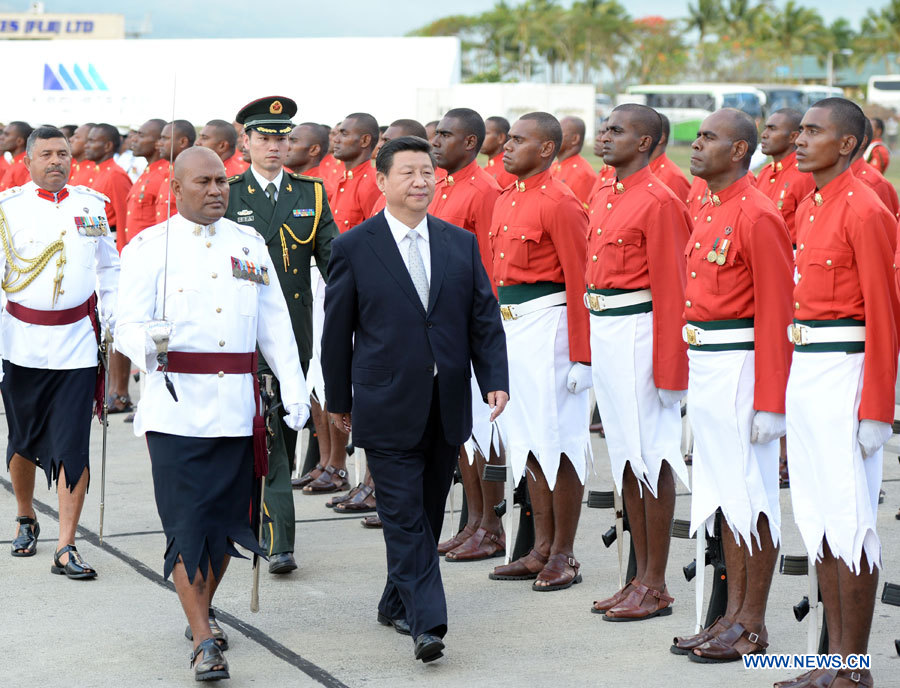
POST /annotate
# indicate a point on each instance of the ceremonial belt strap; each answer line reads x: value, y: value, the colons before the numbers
x: 518, y: 300
x: 816, y: 336
x: 604, y: 302
x: 719, y: 335
x: 221, y: 364
x: 63, y: 317
x: 514, y: 311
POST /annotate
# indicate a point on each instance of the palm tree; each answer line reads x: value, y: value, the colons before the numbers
x: 602, y: 30
x: 797, y: 30
x: 879, y: 35
x: 706, y: 17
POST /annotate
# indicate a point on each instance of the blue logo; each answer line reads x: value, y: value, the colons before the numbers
x: 76, y: 79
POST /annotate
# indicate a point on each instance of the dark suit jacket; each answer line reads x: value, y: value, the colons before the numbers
x: 296, y: 213
x: 380, y: 345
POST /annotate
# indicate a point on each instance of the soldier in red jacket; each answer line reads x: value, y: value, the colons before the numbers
x: 840, y: 395
x: 571, y: 168
x: 737, y: 306
x: 497, y: 132
x: 662, y: 166
x: 635, y: 276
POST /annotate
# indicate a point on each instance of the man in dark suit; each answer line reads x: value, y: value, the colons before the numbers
x: 291, y: 213
x: 409, y: 312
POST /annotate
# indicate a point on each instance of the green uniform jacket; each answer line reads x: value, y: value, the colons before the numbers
x: 301, y: 207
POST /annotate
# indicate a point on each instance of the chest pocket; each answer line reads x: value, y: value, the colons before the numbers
x: 247, y: 299
x: 183, y: 303
x: 85, y: 249
x: 823, y: 267
x: 623, y: 251
x: 521, y: 243
x: 714, y: 278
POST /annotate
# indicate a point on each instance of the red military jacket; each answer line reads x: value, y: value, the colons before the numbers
x: 786, y: 185
x: 494, y: 167
x: 82, y: 173
x: 755, y: 280
x: 845, y: 271
x: 355, y: 196
x: 880, y: 156
x: 537, y: 234
x: 466, y: 199
x: 164, y: 209
x: 17, y: 174
x: 235, y: 164
x: 576, y: 173
x: 671, y: 175
x: 141, y: 202
x: 328, y: 181
x: 885, y: 190
x: 114, y: 183
x: 638, y: 230
x: 696, y: 197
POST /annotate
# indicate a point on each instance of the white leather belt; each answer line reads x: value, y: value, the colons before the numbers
x: 804, y: 334
x: 696, y: 336
x: 513, y: 311
x: 601, y: 302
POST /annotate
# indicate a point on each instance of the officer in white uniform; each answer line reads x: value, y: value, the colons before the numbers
x: 222, y: 299
x: 56, y: 251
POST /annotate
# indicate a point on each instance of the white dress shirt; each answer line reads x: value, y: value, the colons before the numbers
x: 33, y: 223
x: 400, y: 231
x: 211, y: 311
x: 263, y: 182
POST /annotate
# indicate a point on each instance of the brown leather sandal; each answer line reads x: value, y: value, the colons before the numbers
x: 325, y: 482
x: 482, y: 545
x: 307, y: 478
x: 602, y: 606
x: 359, y: 503
x: 520, y: 569
x: 721, y: 649
x: 557, y: 575
x: 632, y: 609
x: 683, y: 645
x: 796, y: 682
x: 457, y: 540
x: 855, y: 677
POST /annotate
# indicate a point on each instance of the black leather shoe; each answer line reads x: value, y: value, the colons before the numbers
x: 282, y: 563
x: 25, y: 544
x: 75, y: 568
x: 428, y: 647
x: 399, y: 624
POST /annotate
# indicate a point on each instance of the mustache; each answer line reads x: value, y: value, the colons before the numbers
x: 54, y: 168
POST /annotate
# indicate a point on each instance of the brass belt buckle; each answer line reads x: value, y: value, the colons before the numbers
x: 597, y: 302
x: 691, y: 335
x: 797, y: 335
x: 506, y: 313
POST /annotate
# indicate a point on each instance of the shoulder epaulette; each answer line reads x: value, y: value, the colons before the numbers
x: 305, y: 177
x: 244, y: 229
x: 234, y: 178
x: 149, y: 234
x: 11, y: 192
x: 92, y: 192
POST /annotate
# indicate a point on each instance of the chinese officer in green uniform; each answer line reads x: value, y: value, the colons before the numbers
x: 291, y: 213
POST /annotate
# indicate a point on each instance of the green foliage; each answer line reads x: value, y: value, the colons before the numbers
x: 599, y: 42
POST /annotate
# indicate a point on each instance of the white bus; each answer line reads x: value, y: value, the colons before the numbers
x: 884, y: 90
x: 686, y: 105
x: 798, y: 96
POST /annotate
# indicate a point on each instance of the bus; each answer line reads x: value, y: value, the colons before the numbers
x: 797, y: 96
x: 884, y: 90
x: 686, y: 105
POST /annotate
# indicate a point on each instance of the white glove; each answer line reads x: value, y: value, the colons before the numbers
x: 1, y: 371
x: 767, y: 426
x: 158, y: 334
x: 872, y: 435
x: 670, y: 397
x: 579, y: 378
x: 297, y: 416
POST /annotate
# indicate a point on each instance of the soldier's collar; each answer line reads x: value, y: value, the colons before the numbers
x: 208, y: 230
x: 837, y: 187
x: 53, y: 197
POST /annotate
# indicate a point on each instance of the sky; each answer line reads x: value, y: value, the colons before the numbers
x: 234, y: 18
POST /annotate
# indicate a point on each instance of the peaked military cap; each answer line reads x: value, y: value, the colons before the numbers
x: 270, y: 115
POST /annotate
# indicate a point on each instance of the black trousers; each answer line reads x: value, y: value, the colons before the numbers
x: 412, y: 486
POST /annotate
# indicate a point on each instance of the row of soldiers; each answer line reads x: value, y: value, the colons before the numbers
x: 621, y: 281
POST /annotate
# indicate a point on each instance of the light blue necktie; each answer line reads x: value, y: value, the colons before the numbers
x: 417, y: 268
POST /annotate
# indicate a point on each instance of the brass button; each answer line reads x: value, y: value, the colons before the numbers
x: 512, y: 202
x: 295, y: 271
x: 219, y: 310
x: 208, y: 244
x: 444, y: 197
x: 296, y: 296
x: 63, y: 233
x: 599, y: 231
x: 594, y: 258
x: 501, y: 283
x: 221, y: 373
x: 214, y: 275
x: 592, y: 287
x: 694, y: 275
x: 608, y: 206
x: 772, y: 180
x: 346, y: 222
x: 523, y: 237
x: 828, y: 262
x: 620, y: 241
x: 796, y: 305
x: 697, y: 245
x: 180, y: 289
x: 687, y: 303
x: 709, y: 218
x: 293, y: 247
x: 505, y: 228
x: 812, y: 217
x: 502, y: 255
x: 490, y: 234
x: 221, y: 342
x: 802, y: 246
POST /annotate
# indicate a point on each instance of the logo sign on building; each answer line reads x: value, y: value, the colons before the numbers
x: 33, y: 26
x: 74, y: 77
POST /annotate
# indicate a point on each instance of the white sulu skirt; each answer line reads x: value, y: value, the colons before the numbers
x: 639, y: 429
x: 483, y: 434
x: 834, y: 490
x: 542, y: 417
x: 315, y: 380
x: 730, y: 472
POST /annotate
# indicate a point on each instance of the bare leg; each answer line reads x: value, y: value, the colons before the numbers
x: 737, y: 573
x: 337, y: 441
x: 541, y: 507
x: 491, y: 495
x: 214, y: 582
x: 857, y: 599
x: 21, y: 472
x: 760, y: 569
x: 829, y: 587
x: 637, y: 521
x: 471, y: 481
x: 195, y: 599
x: 658, y: 512
x: 323, y: 432
x: 70, y: 505
x: 567, y: 496
x: 119, y: 369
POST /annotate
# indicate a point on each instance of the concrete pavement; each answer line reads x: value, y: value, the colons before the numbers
x: 317, y: 625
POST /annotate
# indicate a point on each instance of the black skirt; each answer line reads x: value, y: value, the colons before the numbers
x: 204, y: 495
x: 48, y: 414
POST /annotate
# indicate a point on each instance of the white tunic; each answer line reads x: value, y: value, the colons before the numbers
x: 91, y: 263
x: 212, y: 311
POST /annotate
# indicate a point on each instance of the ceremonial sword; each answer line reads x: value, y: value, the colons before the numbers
x: 105, y: 340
